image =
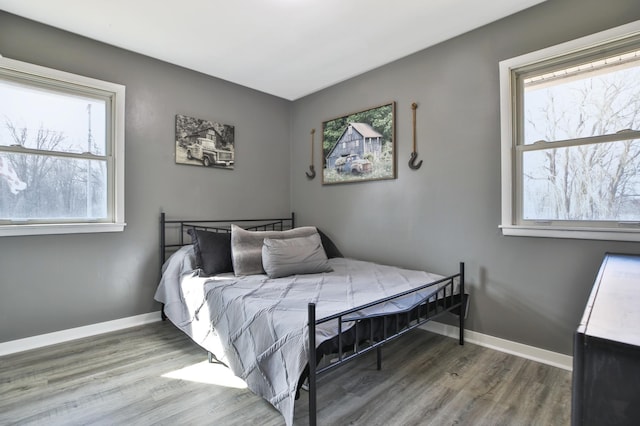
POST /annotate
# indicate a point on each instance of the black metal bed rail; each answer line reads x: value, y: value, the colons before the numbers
x: 278, y: 225
x: 275, y: 224
x: 431, y: 306
x: 413, y: 315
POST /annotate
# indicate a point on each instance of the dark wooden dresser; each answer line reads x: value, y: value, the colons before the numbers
x: 606, y: 354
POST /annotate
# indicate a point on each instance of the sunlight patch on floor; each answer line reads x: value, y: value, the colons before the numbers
x: 208, y: 373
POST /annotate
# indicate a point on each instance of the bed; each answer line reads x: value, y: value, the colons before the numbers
x: 257, y: 294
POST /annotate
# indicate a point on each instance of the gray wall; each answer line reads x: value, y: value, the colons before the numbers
x: 528, y: 290
x: 56, y: 282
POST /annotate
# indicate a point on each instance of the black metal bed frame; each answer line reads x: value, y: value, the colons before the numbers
x: 277, y: 224
x: 428, y: 308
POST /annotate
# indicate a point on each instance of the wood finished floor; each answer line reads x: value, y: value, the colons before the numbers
x: 426, y: 379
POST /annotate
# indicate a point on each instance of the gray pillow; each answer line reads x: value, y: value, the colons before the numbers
x: 246, y: 246
x: 303, y: 255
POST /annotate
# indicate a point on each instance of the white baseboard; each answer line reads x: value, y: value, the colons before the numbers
x: 529, y: 352
x: 62, y: 336
x: 524, y: 351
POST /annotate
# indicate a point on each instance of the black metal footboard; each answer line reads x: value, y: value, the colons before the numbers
x: 379, y: 329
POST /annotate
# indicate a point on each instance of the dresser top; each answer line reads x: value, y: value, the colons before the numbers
x: 613, y: 310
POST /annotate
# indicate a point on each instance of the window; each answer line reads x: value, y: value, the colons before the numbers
x: 570, y: 117
x: 61, y: 152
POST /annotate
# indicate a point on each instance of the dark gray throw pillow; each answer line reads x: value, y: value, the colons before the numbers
x: 329, y: 247
x: 303, y: 255
x: 213, y: 251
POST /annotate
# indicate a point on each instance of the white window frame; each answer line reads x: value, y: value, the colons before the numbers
x: 511, y: 223
x: 56, y: 80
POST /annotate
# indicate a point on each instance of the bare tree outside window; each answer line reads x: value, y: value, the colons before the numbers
x: 54, y: 187
x: 578, y: 164
x: 53, y: 147
x: 62, y: 153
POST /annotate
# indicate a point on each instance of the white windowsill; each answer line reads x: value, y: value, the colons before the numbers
x: 67, y: 228
x: 607, y: 234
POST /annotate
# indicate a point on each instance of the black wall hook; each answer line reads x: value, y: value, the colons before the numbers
x: 412, y: 161
x: 313, y: 172
x: 311, y: 168
x: 414, y: 153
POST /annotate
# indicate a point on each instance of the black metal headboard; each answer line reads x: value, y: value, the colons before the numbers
x: 173, y: 232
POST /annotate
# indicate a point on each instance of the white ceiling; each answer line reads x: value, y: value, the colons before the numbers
x: 287, y: 48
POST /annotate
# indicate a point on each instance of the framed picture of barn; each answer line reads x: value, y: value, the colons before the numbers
x: 360, y: 147
x: 204, y: 143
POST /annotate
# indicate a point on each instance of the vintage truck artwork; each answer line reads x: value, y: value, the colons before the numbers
x: 204, y: 143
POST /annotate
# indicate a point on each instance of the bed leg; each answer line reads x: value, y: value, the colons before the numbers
x: 210, y: 356
x: 312, y: 364
x: 462, y: 304
x: 379, y: 357
x: 163, y: 316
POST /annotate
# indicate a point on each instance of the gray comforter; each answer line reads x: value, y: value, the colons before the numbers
x: 258, y: 326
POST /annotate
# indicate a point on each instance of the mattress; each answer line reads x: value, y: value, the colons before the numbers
x: 258, y: 326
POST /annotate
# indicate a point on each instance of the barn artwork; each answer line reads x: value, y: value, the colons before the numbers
x: 204, y: 143
x: 360, y: 147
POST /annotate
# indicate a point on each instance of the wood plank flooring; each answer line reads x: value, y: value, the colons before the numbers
x: 126, y: 378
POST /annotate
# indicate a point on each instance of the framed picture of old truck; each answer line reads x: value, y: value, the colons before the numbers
x: 204, y: 143
x: 360, y: 147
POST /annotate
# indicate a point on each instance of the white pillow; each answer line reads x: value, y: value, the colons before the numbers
x: 302, y: 255
x: 246, y: 246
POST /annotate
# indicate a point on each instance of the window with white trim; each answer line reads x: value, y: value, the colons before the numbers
x: 61, y: 152
x: 570, y: 118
